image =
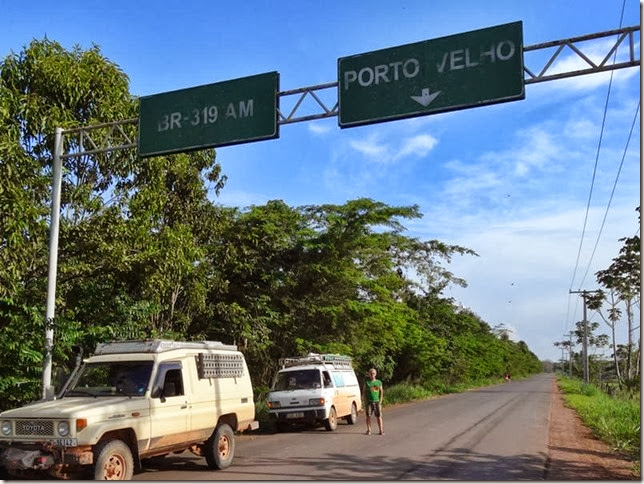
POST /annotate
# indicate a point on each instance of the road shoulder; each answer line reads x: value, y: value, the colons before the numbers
x: 575, y: 454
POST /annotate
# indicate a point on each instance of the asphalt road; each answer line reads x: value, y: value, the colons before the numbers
x: 494, y: 433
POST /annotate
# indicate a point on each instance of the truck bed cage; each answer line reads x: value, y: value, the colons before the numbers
x: 158, y: 346
x: 339, y: 362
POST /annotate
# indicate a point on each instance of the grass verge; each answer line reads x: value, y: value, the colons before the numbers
x: 613, y: 420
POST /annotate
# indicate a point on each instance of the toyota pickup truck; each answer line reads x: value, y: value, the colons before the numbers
x: 131, y: 401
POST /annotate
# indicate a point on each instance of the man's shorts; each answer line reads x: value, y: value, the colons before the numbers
x: 373, y: 407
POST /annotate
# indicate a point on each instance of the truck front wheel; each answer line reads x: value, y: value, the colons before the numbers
x: 220, y: 447
x: 113, y: 461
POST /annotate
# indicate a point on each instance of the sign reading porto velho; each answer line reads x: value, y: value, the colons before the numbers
x: 219, y: 114
x: 458, y: 71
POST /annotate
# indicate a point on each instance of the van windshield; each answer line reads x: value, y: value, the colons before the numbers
x: 297, y: 380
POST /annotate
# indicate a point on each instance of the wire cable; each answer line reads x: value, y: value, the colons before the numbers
x: 630, y: 134
x: 592, y: 184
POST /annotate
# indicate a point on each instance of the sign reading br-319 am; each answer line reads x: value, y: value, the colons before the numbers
x: 220, y: 114
x: 454, y: 72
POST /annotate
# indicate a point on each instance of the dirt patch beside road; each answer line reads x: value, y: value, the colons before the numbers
x: 575, y: 454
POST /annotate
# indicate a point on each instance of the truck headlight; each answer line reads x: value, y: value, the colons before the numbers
x: 316, y: 401
x: 274, y: 405
x: 63, y: 429
x: 6, y: 427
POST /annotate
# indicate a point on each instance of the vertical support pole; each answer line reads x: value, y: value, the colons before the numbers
x: 570, y: 355
x: 53, y: 262
x: 585, y: 345
x: 584, y: 295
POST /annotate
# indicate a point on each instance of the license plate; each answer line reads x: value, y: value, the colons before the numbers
x: 65, y: 442
x: 295, y: 415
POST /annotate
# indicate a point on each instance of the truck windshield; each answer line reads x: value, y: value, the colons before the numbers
x: 110, y: 378
x: 297, y: 380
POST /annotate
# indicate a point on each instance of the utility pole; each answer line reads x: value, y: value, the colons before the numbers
x: 47, y: 392
x: 584, y: 295
x: 570, y: 354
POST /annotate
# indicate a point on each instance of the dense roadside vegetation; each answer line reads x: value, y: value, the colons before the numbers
x: 145, y: 251
x: 615, y: 419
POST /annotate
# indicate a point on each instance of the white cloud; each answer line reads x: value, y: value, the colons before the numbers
x: 418, y: 146
x: 374, y: 149
x: 370, y: 147
x: 318, y: 128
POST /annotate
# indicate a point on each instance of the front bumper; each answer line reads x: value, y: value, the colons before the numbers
x: 294, y: 415
x: 43, y: 455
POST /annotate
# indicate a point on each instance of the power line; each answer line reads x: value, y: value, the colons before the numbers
x: 592, y: 183
x: 630, y: 134
x: 581, y: 241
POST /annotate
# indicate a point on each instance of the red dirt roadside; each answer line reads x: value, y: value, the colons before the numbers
x: 575, y: 454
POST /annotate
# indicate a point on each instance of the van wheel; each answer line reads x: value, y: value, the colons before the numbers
x: 220, y: 447
x: 331, y: 423
x: 352, y: 418
x: 113, y: 461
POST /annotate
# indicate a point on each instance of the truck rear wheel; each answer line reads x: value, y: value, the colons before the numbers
x: 220, y: 447
x: 331, y: 423
x: 113, y: 461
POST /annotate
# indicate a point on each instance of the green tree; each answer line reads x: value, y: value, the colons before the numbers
x: 622, y: 279
x: 42, y: 88
x: 145, y: 252
x: 131, y: 232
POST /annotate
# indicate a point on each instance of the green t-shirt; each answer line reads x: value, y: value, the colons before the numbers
x: 374, y: 387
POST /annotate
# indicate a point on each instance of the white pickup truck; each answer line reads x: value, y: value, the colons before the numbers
x: 130, y: 401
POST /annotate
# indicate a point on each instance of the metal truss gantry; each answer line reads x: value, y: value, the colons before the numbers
x: 311, y: 103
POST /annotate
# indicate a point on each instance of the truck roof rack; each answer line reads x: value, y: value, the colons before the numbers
x: 158, y: 346
x: 336, y: 361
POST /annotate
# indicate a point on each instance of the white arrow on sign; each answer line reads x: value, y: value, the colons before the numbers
x: 425, y: 98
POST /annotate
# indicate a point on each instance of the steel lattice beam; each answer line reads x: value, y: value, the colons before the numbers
x: 121, y: 135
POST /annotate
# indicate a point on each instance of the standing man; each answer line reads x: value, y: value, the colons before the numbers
x: 373, y: 395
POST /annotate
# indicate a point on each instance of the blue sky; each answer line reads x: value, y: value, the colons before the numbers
x: 510, y: 181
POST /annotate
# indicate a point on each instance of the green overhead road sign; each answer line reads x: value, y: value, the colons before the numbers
x: 454, y: 72
x: 219, y: 114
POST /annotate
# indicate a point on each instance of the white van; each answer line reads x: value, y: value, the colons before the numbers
x: 315, y: 389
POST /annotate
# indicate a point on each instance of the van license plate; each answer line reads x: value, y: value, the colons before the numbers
x: 295, y: 415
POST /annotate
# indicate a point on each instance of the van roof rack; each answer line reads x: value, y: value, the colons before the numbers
x: 158, y: 346
x: 336, y: 361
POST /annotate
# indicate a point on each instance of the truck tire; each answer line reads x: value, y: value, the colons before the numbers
x: 220, y: 447
x: 113, y: 461
x: 352, y: 418
x: 331, y: 423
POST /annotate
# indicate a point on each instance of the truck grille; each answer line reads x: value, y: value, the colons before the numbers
x: 35, y: 427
